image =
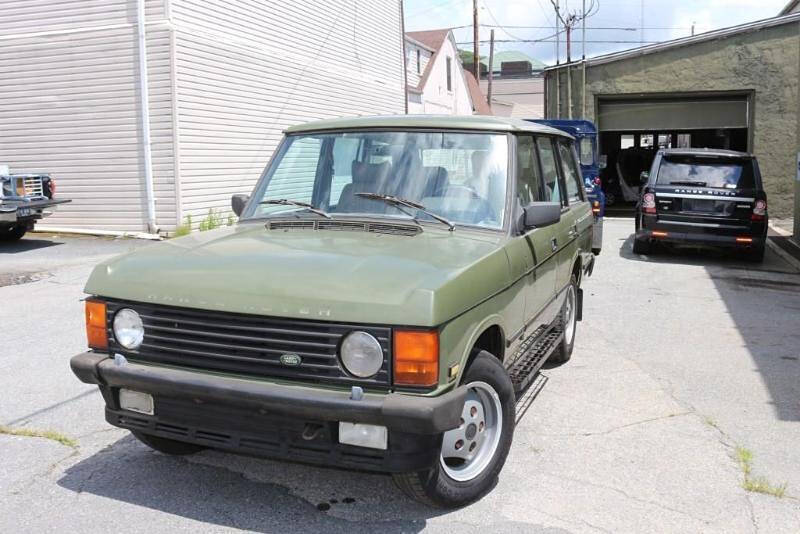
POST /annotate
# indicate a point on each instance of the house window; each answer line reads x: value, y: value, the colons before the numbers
x: 419, y: 66
x: 449, y: 74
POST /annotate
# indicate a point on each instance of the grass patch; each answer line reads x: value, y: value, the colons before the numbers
x: 710, y: 422
x: 760, y: 484
x: 214, y: 220
x: 33, y: 433
x: 184, y: 229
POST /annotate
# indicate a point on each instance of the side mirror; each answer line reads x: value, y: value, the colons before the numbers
x: 541, y: 214
x: 238, y: 203
x: 644, y: 177
x: 603, y: 163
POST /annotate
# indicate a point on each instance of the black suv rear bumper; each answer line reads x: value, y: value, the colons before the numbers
x: 266, y: 419
x: 685, y: 232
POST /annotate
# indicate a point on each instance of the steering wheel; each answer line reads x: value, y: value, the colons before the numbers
x: 484, y: 209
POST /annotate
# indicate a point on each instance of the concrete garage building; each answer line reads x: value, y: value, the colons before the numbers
x: 732, y: 88
x: 223, y: 79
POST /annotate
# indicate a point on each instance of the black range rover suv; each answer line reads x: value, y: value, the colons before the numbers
x: 698, y: 196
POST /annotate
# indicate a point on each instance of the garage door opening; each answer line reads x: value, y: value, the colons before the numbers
x: 632, y: 130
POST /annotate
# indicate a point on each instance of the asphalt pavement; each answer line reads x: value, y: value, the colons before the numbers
x: 685, y: 363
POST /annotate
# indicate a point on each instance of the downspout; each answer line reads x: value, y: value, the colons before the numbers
x: 405, y: 62
x: 144, y: 104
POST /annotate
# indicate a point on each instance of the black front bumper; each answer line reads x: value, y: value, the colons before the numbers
x: 267, y: 419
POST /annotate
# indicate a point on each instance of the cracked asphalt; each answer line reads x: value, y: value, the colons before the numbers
x: 680, y: 359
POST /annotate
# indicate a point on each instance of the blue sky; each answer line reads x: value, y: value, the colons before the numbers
x: 663, y: 20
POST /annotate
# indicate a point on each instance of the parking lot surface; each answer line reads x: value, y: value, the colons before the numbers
x: 685, y: 364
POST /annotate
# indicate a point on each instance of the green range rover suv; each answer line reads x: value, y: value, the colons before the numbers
x: 392, y: 285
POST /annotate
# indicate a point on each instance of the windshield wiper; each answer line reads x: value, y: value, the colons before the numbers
x: 396, y: 201
x: 287, y: 202
x: 689, y: 182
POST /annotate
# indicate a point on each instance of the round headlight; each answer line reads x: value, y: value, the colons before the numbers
x: 361, y: 354
x: 128, y: 328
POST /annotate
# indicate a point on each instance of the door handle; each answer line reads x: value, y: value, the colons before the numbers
x: 554, y: 244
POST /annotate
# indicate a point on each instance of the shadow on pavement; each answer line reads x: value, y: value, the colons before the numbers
x: 763, y: 301
x: 24, y: 245
x: 203, y: 490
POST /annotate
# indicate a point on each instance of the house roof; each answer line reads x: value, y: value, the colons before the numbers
x: 479, y: 103
x: 427, y: 122
x: 419, y: 44
x: 791, y: 6
x: 686, y: 41
x: 514, y: 55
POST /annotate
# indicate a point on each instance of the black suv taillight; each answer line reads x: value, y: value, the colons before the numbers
x: 759, y: 210
x: 649, y: 203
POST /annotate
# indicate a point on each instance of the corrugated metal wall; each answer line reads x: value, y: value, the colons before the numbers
x: 247, y: 70
x: 69, y: 106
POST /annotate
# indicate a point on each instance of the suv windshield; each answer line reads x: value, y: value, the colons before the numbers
x: 724, y: 173
x: 459, y: 176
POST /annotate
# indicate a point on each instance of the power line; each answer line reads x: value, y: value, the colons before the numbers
x: 551, y: 40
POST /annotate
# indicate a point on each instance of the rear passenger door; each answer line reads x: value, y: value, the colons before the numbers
x: 576, y: 221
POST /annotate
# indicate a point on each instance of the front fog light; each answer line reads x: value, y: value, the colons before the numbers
x: 372, y: 436
x: 128, y: 328
x: 136, y: 401
x: 361, y: 354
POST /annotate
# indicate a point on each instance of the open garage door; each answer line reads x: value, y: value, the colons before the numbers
x: 633, y: 128
x: 635, y: 115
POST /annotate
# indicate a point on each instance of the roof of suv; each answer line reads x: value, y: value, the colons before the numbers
x: 716, y: 152
x: 439, y: 122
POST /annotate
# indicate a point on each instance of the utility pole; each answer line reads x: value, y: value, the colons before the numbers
x: 583, y: 31
x: 583, y: 61
x: 693, y: 23
x: 476, y: 59
x: 569, y: 41
x: 558, y: 38
x: 491, y: 68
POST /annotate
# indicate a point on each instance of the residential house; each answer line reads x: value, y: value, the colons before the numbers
x: 223, y: 78
x: 436, y: 81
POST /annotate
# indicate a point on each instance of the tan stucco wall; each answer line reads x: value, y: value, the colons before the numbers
x: 766, y: 62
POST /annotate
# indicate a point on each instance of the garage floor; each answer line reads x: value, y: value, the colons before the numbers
x: 681, y: 360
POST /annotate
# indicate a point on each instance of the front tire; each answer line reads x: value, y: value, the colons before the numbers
x: 473, y: 454
x: 13, y: 233
x: 167, y: 446
x: 569, y: 324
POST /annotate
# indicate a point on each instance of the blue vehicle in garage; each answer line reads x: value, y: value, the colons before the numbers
x: 585, y: 134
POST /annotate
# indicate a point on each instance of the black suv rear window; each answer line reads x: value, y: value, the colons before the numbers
x: 723, y: 173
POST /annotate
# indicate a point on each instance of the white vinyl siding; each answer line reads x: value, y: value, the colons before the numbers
x: 411, y: 63
x: 69, y: 106
x: 247, y: 70
x: 35, y: 16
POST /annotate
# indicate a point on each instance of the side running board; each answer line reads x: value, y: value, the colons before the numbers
x: 532, y: 354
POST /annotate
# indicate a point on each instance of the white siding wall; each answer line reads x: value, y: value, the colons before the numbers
x: 69, y: 106
x: 247, y: 70
x: 436, y: 98
x: 415, y: 72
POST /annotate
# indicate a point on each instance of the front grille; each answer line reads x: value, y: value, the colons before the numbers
x: 249, y: 345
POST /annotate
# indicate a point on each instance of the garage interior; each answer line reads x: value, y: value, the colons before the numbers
x: 632, y: 128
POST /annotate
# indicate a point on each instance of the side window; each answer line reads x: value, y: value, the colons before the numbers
x: 572, y: 175
x: 528, y: 177
x: 345, y: 152
x: 547, y: 155
x: 294, y: 178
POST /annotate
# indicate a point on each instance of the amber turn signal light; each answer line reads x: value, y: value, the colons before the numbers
x: 96, y: 333
x: 416, y: 358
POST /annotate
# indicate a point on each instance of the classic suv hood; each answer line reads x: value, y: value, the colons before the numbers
x: 348, y: 276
